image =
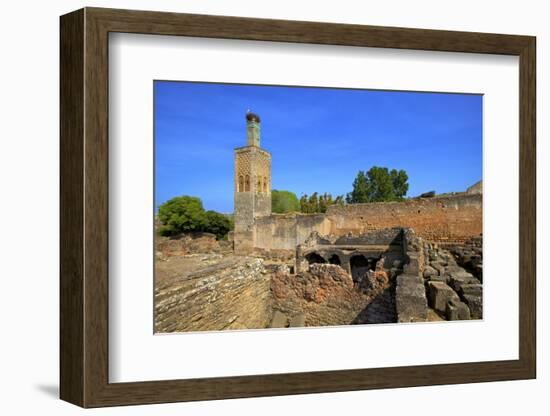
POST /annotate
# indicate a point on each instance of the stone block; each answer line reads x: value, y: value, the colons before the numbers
x: 409, y: 284
x: 298, y: 320
x: 410, y: 299
x: 471, y: 289
x: 450, y: 269
x: 458, y: 279
x: 429, y: 271
x: 439, y: 266
x: 437, y: 278
x: 439, y: 294
x: 457, y: 310
x: 413, y: 266
x: 475, y: 303
x: 280, y: 320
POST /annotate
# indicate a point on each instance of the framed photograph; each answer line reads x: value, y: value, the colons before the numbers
x: 255, y: 207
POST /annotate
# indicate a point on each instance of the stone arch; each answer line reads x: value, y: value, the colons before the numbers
x: 241, y: 184
x: 335, y: 259
x: 314, y: 257
x: 247, y: 183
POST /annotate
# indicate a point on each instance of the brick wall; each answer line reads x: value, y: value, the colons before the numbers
x: 442, y: 219
x: 450, y: 220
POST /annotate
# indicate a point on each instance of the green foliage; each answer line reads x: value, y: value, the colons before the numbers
x: 360, y: 191
x: 186, y: 214
x: 316, y: 203
x: 181, y: 214
x: 217, y: 223
x: 400, y: 183
x: 284, y: 201
x: 378, y: 185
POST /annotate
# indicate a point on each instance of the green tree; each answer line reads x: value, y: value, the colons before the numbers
x: 218, y: 224
x: 313, y: 203
x: 339, y: 200
x: 316, y: 203
x: 325, y: 201
x: 304, y: 206
x: 400, y: 183
x: 181, y: 214
x: 184, y: 214
x: 360, y: 192
x: 284, y: 201
x: 378, y: 185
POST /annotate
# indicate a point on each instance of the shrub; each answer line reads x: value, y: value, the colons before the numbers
x: 217, y: 223
x: 186, y: 214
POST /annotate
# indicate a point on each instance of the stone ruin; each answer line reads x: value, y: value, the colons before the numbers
x: 402, y: 261
x: 384, y: 276
x: 426, y: 282
x: 454, y: 217
x: 452, y: 277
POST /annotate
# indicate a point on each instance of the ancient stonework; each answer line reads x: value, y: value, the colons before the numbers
x: 454, y: 291
x: 451, y: 219
x: 252, y: 182
x: 416, y: 260
x: 326, y: 294
x: 211, y: 293
x: 410, y: 294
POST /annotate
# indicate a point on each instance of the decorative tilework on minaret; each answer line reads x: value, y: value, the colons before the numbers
x: 252, y: 185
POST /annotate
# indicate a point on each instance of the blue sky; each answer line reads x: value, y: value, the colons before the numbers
x: 319, y: 138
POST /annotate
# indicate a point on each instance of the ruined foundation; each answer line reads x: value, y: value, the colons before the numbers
x: 387, y: 276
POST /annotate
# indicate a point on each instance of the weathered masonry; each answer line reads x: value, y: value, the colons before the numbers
x: 448, y: 220
x: 252, y: 185
x: 355, y: 254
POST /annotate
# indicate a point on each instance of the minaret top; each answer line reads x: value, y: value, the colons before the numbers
x: 252, y: 129
x: 252, y: 117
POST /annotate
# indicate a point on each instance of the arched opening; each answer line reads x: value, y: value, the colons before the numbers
x: 259, y: 187
x: 359, y: 265
x: 334, y: 259
x: 315, y: 258
x: 247, y: 183
x: 241, y: 184
x: 265, y: 185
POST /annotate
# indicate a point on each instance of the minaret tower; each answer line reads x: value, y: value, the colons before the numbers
x: 252, y: 185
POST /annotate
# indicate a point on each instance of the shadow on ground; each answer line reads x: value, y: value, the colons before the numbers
x: 51, y: 390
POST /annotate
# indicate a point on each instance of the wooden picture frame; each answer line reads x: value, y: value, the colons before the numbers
x: 84, y: 207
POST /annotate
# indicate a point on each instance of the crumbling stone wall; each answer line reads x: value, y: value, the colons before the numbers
x: 386, y: 243
x: 286, y: 231
x: 190, y: 243
x: 228, y: 293
x: 325, y: 294
x: 451, y: 219
x: 410, y: 293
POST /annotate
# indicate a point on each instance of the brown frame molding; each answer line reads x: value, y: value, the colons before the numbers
x: 84, y: 207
